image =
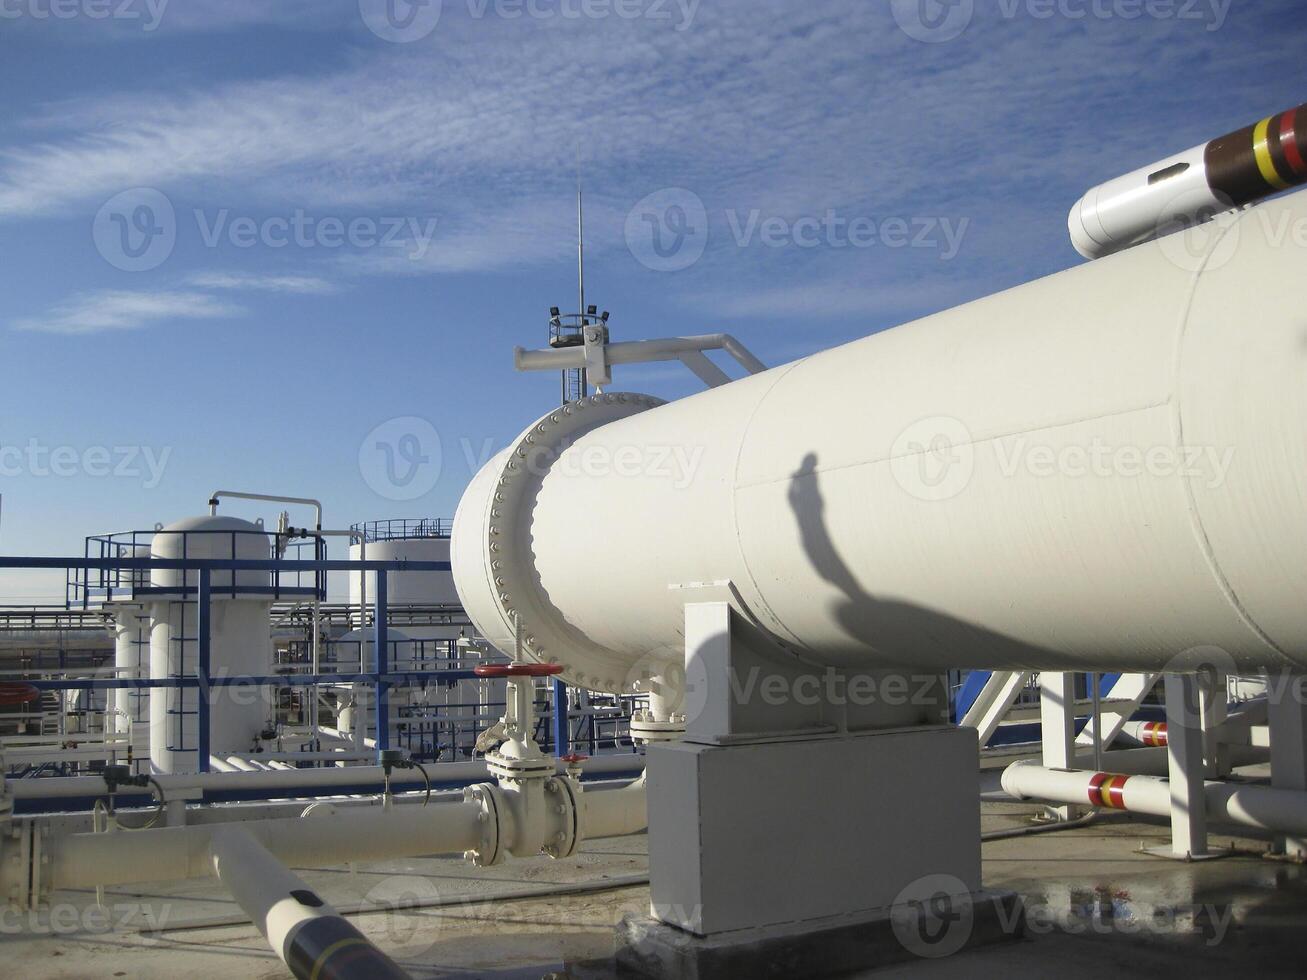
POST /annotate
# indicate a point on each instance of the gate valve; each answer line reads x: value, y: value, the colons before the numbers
x: 518, y: 755
x: 519, y: 711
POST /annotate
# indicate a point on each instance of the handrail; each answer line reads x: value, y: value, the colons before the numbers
x: 405, y: 529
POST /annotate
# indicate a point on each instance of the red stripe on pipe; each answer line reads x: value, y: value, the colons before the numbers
x: 1289, y: 142
x: 1096, y: 782
x: 1116, y: 792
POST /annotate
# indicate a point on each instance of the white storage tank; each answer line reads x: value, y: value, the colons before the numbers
x: 240, y: 641
x: 420, y: 600
x: 408, y: 540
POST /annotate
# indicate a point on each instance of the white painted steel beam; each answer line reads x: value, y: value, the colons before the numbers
x: 994, y: 702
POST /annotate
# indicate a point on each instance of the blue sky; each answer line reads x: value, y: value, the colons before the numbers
x: 429, y: 163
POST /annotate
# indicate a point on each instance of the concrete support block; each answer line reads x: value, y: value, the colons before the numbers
x: 1288, y: 725
x: 830, y: 948
x: 774, y: 832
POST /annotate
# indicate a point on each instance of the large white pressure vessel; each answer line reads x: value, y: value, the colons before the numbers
x: 240, y: 641
x: 1105, y: 469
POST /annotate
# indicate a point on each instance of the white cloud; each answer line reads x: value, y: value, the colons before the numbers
x: 121, y: 310
x: 146, y: 20
x: 495, y: 111
x: 227, y: 15
x: 792, y: 109
x: 302, y: 285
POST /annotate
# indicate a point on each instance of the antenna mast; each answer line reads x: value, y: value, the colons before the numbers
x: 580, y: 239
x: 569, y: 329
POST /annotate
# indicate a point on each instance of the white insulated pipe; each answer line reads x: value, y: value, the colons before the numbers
x: 1150, y: 733
x: 296, y: 781
x: 70, y: 639
x: 615, y: 812
x: 1102, y: 470
x: 1193, y: 186
x: 309, y: 936
x: 1134, y: 207
x: 175, y: 853
x: 446, y: 826
x: 1278, y: 810
x: 267, y: 497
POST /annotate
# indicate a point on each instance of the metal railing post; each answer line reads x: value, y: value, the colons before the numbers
x: 562, y: 732
x: 204, y: 635
x: 382, y: 668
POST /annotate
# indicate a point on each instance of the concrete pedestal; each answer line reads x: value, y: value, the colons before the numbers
x: 825, y: 948
x: 771, y: 833
x: 807, y: 836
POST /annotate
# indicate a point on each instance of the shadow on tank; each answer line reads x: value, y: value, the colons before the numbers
x: 903, y: 634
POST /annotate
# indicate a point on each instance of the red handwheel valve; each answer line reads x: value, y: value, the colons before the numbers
x: 12, y: 693
x: 573, y: 762
x: 517, y: 670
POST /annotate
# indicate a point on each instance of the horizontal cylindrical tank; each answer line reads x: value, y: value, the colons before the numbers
x: 1104, y: 469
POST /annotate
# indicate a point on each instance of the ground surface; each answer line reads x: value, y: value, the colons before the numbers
x: 1097, y: 907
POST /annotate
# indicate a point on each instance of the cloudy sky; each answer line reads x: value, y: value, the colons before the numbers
x: 289, y: 245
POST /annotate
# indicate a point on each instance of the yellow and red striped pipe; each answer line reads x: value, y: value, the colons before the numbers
x: 1193, y: 187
